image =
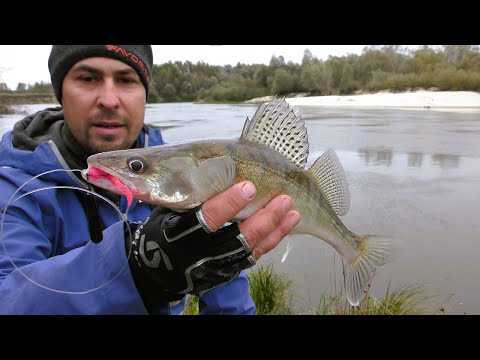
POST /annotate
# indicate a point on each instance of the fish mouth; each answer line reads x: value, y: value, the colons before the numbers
x: 102, y: 177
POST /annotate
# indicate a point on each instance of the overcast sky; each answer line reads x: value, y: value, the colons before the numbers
x: 29, y: 63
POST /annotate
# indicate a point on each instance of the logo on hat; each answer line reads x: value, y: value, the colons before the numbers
x: 129, y: 55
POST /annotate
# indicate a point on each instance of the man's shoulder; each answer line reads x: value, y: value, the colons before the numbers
x: 154, y: 134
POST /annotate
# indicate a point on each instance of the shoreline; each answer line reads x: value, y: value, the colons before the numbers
x: 457, y: 101
x: 428, y: 100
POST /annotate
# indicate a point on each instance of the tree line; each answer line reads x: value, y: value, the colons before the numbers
x: 392, y: 67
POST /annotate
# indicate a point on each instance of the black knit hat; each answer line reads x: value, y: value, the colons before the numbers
x: 63, y: 57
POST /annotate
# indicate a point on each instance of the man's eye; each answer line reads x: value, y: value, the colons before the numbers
x: 127, y: 81
x: 87, y: 79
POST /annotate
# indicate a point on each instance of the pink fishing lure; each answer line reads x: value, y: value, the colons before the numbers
x: 124, y: 189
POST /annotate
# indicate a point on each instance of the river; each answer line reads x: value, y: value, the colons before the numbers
x: 413, y: 175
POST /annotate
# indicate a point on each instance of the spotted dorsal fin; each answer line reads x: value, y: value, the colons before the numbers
x: 277, y: 126
x: 330, y: 177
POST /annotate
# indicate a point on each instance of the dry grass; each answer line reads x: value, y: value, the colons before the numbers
x: 407, y: 300
x: 272, y: 294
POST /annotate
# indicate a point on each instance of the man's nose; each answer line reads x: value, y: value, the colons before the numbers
x: 108, y: 97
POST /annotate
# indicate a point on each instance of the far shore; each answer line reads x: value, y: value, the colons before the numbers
x: 457, y: 101
x: 461, y: 101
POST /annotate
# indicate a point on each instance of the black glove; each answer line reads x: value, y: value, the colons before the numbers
x: 175, y: 254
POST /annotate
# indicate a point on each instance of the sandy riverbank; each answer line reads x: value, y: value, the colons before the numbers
x: 462, y: 101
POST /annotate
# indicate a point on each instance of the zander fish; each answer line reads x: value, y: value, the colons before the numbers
x: 271, y: 152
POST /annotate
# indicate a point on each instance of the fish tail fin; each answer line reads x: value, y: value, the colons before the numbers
x: 374, y: 251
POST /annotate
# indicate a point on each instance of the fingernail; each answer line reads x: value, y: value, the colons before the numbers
x: 286, y: 205
x: 294, y: 220
x: 249, y: 190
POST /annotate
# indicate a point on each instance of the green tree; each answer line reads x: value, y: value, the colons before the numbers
x: 21, y: 87
x: 40, y: 88
x: 283, y: 82
x: 307, y: 58
x: 277, y: 61
x: 342, y: 75
x: 169, y: 92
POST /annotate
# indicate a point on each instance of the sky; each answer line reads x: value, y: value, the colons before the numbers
x: 29, y: 63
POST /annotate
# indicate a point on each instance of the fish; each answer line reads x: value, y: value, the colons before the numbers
x: 271, y: 152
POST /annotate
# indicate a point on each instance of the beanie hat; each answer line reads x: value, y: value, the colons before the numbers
x: 63, y: 57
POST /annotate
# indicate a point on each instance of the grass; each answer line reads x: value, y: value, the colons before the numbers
x: 191, y: 305
x: 407, y: 300
x: 272, y: 294
x: 21, y: 99
x: 270, y: 291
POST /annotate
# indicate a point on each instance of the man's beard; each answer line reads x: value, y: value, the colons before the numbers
x: 107, y: 144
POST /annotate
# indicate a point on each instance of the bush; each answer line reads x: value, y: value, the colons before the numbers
x: 4, y: 109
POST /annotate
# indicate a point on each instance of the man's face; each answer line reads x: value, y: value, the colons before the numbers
x: 104, y: 104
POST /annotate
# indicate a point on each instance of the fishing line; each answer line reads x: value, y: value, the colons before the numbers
x: 117, y: 209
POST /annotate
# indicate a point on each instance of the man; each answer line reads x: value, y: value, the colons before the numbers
x: 65, y: 251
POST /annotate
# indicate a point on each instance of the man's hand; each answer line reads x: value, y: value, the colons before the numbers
x: 193, y: 252
x: 263, y: 230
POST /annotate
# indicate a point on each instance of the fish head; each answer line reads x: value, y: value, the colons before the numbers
x: 156, y: 176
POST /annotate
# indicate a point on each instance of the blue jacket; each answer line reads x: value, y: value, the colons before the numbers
x: 48, y: 265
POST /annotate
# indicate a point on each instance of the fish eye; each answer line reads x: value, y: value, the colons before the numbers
x: 138, y: 164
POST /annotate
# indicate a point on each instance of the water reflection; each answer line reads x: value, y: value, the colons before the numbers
x: 415, y: 159
x: 376, y: 157
x: 446, y: 161
x: 385, y: 157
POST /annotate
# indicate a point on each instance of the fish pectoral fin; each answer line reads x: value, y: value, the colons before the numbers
x: 330, y: 177
x: 213, y: 176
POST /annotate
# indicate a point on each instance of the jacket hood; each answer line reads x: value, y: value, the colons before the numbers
x: 30, y: 146
x: 34, y: 152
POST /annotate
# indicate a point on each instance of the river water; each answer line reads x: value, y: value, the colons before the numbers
x: 413, y: 175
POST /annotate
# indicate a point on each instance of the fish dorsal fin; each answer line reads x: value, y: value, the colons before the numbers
x: 277, y: 126
x: 330, y: 176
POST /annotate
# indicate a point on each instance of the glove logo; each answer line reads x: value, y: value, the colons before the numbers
x: 149, y: 247
x: 170, y: 220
